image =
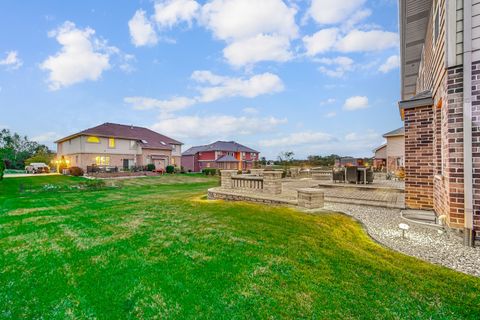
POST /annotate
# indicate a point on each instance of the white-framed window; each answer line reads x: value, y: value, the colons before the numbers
x: 111, y: 143
x: 102, y: 161
x: 133, y: 144
x: 436, y: 25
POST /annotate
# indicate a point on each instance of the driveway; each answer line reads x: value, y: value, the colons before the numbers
x: 21, y: 175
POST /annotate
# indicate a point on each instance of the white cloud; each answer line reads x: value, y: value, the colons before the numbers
x: 240, y: 19
x: 331, y: 114
x: 320, y: 42
x: 250, y: 110
x: 47, y: 137
x: 356, y: 103
x: 11, y: 61
x: 337, y: 67
x: 223, y: 87
x: 141, y: 29
x: 327, y: 101
x: 81, y: 57
x: 215, y: 126
x: 364, y: 41
x: 369, y: 138
x: 259, y: 48
x: 333, y: 11
x: 392, y: 62
x: 298, y: 138
x: 171, y: 105
x: 171, y: 12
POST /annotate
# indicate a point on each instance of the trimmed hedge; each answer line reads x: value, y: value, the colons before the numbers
x: 170, y: 169
x: 150, y: 167
x: 209, y: 171
x: 76, y: 171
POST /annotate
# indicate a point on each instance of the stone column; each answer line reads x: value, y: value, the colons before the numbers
x: 272, y: 182
x: 226, y: 178
x: 310, y: 198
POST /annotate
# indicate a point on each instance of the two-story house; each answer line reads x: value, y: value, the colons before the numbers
x: 220, y: 155
x: 117, y: 145
x: 440, y: 107
x: 391, y: 155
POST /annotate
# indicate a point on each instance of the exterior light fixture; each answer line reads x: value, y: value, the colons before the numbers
x: 404, y: 227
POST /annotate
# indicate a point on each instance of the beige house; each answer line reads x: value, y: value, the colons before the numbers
x: 121, y: 146
x: 392, y: 154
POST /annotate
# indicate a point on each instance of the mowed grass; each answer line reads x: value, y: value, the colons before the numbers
x: 154, y: 248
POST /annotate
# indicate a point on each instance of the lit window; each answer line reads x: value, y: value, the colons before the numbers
x: 111, y: 143
x: 102, y: 161
x: 93, y: 139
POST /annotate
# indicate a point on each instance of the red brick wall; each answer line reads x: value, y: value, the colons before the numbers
x: 418, y: 157
x: 476, y: 144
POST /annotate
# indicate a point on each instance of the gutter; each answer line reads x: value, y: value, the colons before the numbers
x: 467, y: 123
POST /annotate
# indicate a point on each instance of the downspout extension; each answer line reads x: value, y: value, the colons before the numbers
x: 469, y: 239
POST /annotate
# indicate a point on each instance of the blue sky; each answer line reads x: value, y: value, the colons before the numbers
x: 313, y: 77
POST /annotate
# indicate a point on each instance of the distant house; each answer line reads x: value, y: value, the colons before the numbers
x: 380, y: 157
x: 395, y: 149
x: 220, y: 155
x: 117, y: 145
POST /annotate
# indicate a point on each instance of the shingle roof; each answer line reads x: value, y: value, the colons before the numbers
x: 146, y: 137
x: 396, y: 132
x: 226, y: 158
x: 231, y: 146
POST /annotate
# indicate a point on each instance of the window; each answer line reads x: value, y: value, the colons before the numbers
x: 102, y: 161
x: 111, y: 143
x: 132, y: 144
x: 93, y: 139
x: 436, y: 26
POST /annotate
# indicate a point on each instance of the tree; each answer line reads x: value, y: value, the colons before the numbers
x: 40, y: 156
x: 15, y: 149
x: 286, y: 156
x: 2, y: 169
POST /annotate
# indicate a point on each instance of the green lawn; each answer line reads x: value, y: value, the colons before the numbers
x: 153, y: 247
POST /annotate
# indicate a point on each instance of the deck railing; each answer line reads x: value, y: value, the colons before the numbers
x: 247, y: 182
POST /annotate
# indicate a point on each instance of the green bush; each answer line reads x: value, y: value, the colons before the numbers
x: 93, y: 184
x: 170, y: 169
x: 209, y: 171
x: 2, y: 169
x: 76, y: 171
x: 150, y: 167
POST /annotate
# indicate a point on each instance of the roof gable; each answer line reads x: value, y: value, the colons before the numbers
x: 230, y: 146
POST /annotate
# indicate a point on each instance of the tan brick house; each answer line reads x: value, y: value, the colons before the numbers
x: 440, y: 106
x: 121, y: 146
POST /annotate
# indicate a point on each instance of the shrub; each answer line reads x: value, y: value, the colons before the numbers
x: 170, y: 169
x: 76, y: 171
x: 93, y: 184
x: 150, y: 167
x: 209, y: 171
x: 2, y: 169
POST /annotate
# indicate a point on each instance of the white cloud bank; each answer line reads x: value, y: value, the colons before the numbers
x: 213, y: 87
x: 11, y: 60
x: 393, y: 62
x: 142, y: 32
x: 333, y: 11
x: 172, y: 12
x: 298, y: 138
x: 356, y: 103
x: 215, y: 126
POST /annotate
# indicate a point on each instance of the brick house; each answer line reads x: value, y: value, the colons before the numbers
x: 392, y: 154
x: 440, y: 107
x: 220, y: 155
x: 121, y: 146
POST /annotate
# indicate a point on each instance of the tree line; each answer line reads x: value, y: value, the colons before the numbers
x: 17, y: 151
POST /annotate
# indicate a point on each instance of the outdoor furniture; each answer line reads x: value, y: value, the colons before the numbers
x: 365, y: 175
x: 338, y: 175
x: 351, y: 174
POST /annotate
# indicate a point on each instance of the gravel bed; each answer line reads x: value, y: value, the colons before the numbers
x: 420, y: 241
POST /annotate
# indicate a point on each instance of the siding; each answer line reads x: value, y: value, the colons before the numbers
x: 475, y: 30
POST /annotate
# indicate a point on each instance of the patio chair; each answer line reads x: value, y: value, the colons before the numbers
x: 352, y: 175
x: 338, y: 175
x: 370, y: 176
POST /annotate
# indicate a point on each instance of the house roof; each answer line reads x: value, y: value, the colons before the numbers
x: 147, y: 138
x: 226, y: 158
x: 379, y: 148
x: 231, y: 146
x: 414, y: 16
x: 397, y: 132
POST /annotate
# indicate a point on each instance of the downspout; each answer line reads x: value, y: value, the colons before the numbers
x: 467, y: 122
